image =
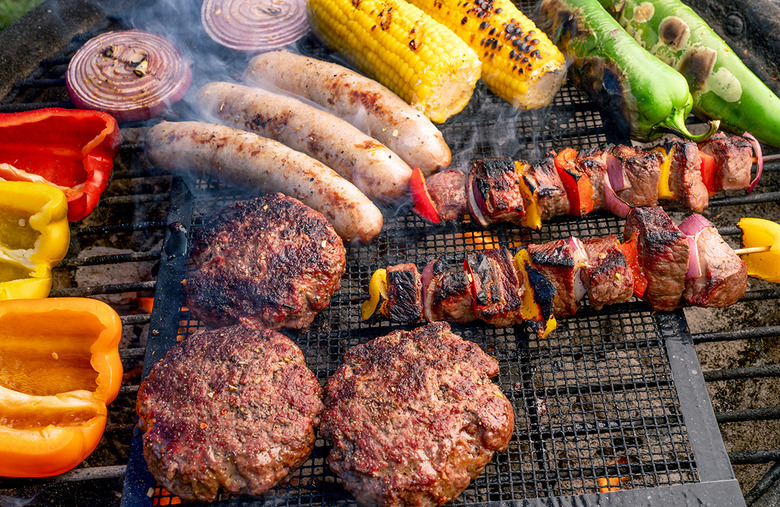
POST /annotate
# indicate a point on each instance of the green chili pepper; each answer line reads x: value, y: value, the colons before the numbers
x: 643, y: 95
x: 722, y: 86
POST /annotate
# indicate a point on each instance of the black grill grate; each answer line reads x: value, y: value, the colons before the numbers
x: 611, y: 394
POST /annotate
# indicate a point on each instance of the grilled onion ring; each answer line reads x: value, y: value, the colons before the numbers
x: 132, y: 75
x: 254, y: 26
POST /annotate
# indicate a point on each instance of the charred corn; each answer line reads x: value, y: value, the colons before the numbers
x: 400, y: 46
x: 519, y: 62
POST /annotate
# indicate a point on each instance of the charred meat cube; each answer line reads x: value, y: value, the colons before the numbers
x: 493, y: 191
x: 608, y: 276
x: 641, y: 172
x: 593, y: 163
x: 734, y: 158
x: 553, y: 201
x: 561, y: 261
x: 447, y: 294
x: 685, y: 175
x: 663, y: 255
x: 448, y: 191
x: 723, y: 278
x: 404, y: 293
x: 496, y: 288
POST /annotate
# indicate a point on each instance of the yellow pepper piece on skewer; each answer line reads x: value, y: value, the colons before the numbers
x: 757, y: 233
x: 377, y: 291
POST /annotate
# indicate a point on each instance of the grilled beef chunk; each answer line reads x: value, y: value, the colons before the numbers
x: 685, y: 175
x: 593, y: 163
x: 270, y: 260
x: 496, y: 187
x: 553, y: 201
x: 663, y: 255
x: 231, y: 409
x: 608, y: 276
x: 561, y: 261
x: 413, y: 417
x: 723, y: 277
x: 404, y: 293
x: 447, y: 294
x: 448, y: 191
x: 497, y: 293
x: 642, y: 168
x: 734, y: 158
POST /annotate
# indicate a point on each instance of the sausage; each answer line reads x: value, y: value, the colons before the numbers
x: 360, y: 100
x: 370, y: 165
x: 256, y: 163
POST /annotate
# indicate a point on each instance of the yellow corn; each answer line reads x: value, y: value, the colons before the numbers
x: 519, y: 62
x: 403, y: 48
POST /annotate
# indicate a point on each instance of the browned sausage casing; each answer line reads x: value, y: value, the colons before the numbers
x: 254, y: 162
x: 370, y: 165
x: 358, y: 99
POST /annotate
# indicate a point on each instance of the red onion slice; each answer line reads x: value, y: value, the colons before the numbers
x: 254, y: 25
x: 759, y: 159
x: 132, y: 75
x: 476, y: 204
x: 616, y: 173
x: 694, y: 224
x: 694, y: 266
x: 612, y: 202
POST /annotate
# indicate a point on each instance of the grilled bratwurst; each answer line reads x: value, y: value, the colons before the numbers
x: 368, y: 164
x: 256, y: 163
x: 413, y: 417
x: 231, y: 409
x: 358, y: 99
x: 269, y: 260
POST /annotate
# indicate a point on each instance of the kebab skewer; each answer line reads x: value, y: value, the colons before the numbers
x: 657, y: 261
x: 679, y: 173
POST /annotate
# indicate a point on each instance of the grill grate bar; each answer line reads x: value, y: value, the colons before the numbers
x: 110, y: 259
x: 104, y: 289
x: 134, y: 353
x: 751, y: 414
x: 763, y: 485
x: 764, y: 371
x: 126, y: 227
x: 754, y: 457
x: 742, y: 200
x: 737, y: 334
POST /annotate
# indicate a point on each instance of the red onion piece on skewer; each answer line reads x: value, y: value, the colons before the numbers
x: 759, y: 159
x: 691, y: 227
x: 612, y: 202
x: 132, y: 75
x: 254, y: 26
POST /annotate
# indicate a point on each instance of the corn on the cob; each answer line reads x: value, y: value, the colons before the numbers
x: 403, y: 48
x: 519, y: 62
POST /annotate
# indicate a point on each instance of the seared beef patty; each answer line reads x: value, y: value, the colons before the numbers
x: 413, y: 417
x: 271, y: 260
x: 233, y: 408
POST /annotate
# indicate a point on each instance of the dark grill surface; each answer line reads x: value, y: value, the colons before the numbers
x: 615, y: 394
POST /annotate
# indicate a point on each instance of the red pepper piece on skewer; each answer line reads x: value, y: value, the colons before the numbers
x: 632, y: 259
x: 424, y: 206
x: 709, y: 169
x: 578, y: 187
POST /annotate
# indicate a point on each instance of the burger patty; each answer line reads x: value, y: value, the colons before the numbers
x: 413, y: 417
x: 233, y: 408
x: 271, y: 260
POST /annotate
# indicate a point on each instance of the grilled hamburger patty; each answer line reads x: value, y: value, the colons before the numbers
x: 413, y: 417
x: 271, y: 260
x: 233, y: 408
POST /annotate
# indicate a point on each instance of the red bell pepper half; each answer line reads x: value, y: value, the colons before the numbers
x: 423, y: 204
x: 71, y: 149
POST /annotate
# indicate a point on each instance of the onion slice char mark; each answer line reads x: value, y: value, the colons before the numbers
x: 133, y: 75
x: 256, y: 26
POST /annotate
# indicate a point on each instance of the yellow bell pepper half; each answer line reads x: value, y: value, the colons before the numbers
x: 34, y: 237
x: 60, y: 367
x: 758, y: 232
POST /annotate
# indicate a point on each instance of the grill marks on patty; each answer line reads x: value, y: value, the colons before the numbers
x: 413, y: 417
x: 231, y: 409
x: 271, y: 260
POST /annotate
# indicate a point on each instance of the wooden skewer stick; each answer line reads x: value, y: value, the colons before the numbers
x: 768, y: 158
x: 752, y: 250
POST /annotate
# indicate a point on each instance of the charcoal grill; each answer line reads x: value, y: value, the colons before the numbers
x: 614, y: 394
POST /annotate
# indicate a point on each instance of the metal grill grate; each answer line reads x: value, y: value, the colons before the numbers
x: 611, y: 394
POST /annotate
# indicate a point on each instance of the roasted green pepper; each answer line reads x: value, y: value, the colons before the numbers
x: 34, y: 236
x: 722, y: 86
x: 644, y: 96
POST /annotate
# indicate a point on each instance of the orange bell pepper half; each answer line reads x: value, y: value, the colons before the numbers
x: 60, y: 369
x: 578, y: 187
x: 71, y: 149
